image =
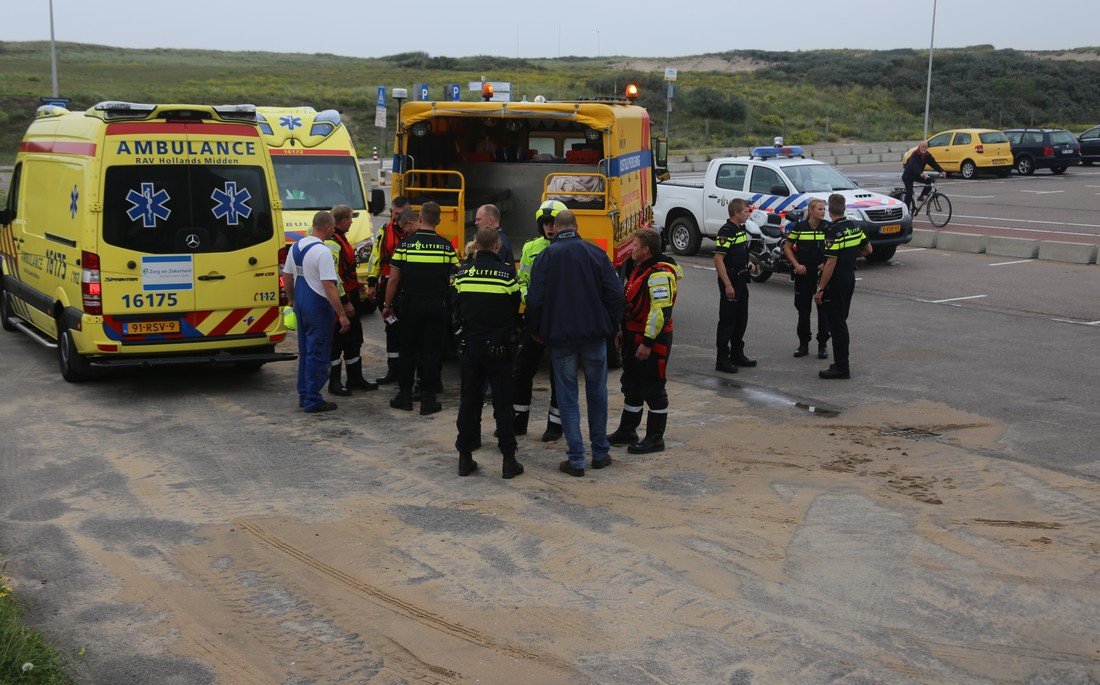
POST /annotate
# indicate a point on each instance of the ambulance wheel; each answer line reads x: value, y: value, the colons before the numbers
x: 5, y: 309
x: 683, y: 236
x: 73, y: 365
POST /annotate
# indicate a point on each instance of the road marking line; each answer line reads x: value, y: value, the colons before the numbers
x: 954, y: 299
x: 1025, y: 221
x: 1018, y: 261
x: 913, y: 249
x: 1080, y: 323
x: 1025, y: 230
x: 976, y: 197
x: 705, y: 268
x: 1042, y: 192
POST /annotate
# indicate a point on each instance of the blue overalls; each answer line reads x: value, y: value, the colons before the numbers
x: 315, y: 317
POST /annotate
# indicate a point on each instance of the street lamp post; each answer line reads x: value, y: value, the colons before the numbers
x: 928, y: 89
x: 53, y: 54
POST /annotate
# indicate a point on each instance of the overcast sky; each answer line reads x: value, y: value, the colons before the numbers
x: 636, y: 28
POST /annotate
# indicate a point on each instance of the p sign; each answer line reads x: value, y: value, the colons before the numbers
x: 422, y: 92
x: 454, y: 93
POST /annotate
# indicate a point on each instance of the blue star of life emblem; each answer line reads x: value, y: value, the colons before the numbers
x: 148, y: 205
x: 290, y: 123
x: 230, y: 204
x: 73, y: 197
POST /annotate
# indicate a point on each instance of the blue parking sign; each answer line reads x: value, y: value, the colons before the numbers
x: 423, y: 89
x: 381, y: 96
x: 454, y: 92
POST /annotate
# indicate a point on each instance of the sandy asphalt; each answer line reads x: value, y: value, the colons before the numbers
x: 195, y: 527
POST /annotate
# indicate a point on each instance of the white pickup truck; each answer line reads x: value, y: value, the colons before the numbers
x: 775, y: 180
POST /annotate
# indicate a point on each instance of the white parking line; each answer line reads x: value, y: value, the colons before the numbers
x: 913, y: 249
x: 1042, y: 192
x: 704, y: 268
x: 954, y: 299
x: 1024, y: 221
x: 1018, y: 261
x: 1080, y: 323
x: 976, y: 197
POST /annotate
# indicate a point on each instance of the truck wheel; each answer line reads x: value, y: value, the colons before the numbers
x: 73, y: 365
x: 684, y: 236
x: 882, y: 254
x: 967, y: 169
x: 5, y: 308
x: 1058, y: 170
x: 1024, y: 166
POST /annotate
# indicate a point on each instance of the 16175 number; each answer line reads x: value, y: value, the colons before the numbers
x: 144, y: 300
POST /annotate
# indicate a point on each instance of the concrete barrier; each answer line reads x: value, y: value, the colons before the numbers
x: 1076, y: 253
x: 870, y: 159
x: 697, y: 158
x: 922, y: 237
x: 1024, y: 248
x: 961, y: 242
x: 680, y: 167
x: 880, y: 149
x: 847, y: 159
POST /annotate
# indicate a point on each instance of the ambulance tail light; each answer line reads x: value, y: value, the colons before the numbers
x: 979, y: 149
x: 90, y: 289
x: 283, y: 253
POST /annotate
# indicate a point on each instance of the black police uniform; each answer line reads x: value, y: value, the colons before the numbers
x: 732, y: 243
x: 843, y: 241
x: 809, y: 247
x: 486, y: 304
x: 426, y: 261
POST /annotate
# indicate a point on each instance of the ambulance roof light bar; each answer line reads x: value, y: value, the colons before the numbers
x: 116, y: 109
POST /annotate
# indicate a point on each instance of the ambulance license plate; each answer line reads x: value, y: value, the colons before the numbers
x: 151, y: 327
x: 892, y: 228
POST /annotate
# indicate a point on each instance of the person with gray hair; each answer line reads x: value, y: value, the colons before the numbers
x: 574, y: 303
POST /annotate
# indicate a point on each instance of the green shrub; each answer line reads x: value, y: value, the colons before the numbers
x: 25, y: 657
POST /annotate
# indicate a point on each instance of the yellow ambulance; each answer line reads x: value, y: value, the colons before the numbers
x: 142, y: 234
x: 315, y: 169
x: 595, y: 156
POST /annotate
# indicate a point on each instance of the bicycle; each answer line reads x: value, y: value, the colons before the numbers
x: 934, y: 203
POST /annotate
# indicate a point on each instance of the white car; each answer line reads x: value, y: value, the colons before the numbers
x: 775, y: 180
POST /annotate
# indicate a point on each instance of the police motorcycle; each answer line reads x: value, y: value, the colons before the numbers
x: 767, y: 235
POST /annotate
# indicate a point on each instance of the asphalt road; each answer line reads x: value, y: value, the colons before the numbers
x: 1012, y: 340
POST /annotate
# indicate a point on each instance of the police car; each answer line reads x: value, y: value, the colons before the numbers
x: 779, y: 180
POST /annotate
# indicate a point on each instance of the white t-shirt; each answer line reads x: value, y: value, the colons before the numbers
x: 316, y: 266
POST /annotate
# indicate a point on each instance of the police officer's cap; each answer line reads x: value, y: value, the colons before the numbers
x: 548, y: 211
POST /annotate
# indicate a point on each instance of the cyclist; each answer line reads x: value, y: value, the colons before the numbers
x: 914, y: 169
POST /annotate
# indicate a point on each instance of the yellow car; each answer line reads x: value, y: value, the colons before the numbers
x: 967, y: 151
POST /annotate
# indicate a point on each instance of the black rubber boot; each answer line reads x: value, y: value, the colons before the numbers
x: 822, y: 351
x: 356, y: 380
x: 802, y: 351
x: 391, y: 372
x: 654, y: 440
x: 553, y: 432
x: 466, y: 464
x: 428, y: 404
x: 511, y: 467
x: 627, y: 432
x: 403, y: 401
x: 725, y: 366
x: 334, y: 385
x: 519, y: 421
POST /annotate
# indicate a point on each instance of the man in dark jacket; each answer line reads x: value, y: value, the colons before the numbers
x: 573, y: 304
x: 914, y: 169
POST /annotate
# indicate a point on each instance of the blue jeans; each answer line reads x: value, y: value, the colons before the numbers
x: 593, y: 357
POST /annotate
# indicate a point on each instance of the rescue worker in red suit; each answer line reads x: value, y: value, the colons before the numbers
x: 646, y: 343
x: 347, y: 344
x: 402, y: 223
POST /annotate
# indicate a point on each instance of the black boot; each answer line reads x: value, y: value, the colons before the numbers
x: 553, y: 432
x: 511, y: 467
x: 355, y: 377
x: 466, y: 464
x: 428, y: 404
x: 391, y: 372
x: 519, y: 421
x: 402, y: 401
x: 803, y: 350
x: 626, y: 433
x: 834, y: 372
x: 725, y: 366
x: 822, y: 351
x: 334, y: 385
x: 739, y: 358
x: 654, y: 440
